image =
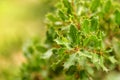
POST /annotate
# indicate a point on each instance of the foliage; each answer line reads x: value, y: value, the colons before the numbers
x: 82, y: 42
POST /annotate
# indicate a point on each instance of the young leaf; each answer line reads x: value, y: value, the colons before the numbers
x: 70, y: 61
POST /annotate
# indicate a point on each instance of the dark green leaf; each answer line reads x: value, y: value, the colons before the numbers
x: 73, y: 34
x: 94, y: 24
x: 68, y: 6
x: 62, y: 15
x: 71, y: 70
x: 117, y: 17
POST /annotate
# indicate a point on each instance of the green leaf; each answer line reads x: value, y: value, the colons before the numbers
x: 107, y: 6
x: 30, y: 49
x: 51, y: 17
x: 94, y: 24
x: 62, y: 41
x: 40, y: 48
x: 71, y: 70
x: 68, y: 6
x: 97, y: 61
x: 95, y: 58
x: 116, y: 47
x: 112, y: 59
x: 51, y: 35
x: 101, y: 63
x: 95, y: 42
x: 48, y: 54
x: 62, y: 15
x: 73, y: 34
x: 85, y: 54
x: 70, y: 61
x: 66, y: 3
x: 86, y: 26
x: 117, y: 17
x: 86, y: 41
x: 95, y: 4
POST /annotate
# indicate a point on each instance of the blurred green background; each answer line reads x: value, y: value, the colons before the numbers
x: 20, y: 20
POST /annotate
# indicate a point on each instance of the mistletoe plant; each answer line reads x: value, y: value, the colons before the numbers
x: 83, y: 42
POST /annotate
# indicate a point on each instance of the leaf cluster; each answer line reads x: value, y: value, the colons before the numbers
x: 82, y: 40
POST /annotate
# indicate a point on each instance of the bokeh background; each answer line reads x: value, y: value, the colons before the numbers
x: 20, y: 20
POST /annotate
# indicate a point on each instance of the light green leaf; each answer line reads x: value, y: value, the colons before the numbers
x: 85, y: 54
x: 101, y: 63
x: 112, y: 59
x: 70, y: 61
x: 86, y: 41
x: 48, y: 54
x: 51, y: 17
x: 95, y: 58
x: 62, y: 41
